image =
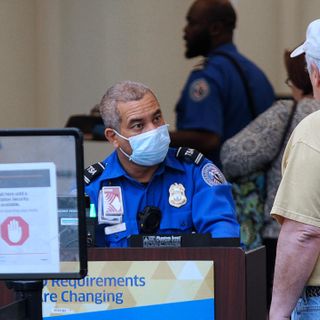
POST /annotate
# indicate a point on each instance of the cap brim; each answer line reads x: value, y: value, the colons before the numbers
x: 297, y: 51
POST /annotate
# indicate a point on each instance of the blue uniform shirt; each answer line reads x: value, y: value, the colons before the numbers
x: 191, y: 198
x: 214, y: 98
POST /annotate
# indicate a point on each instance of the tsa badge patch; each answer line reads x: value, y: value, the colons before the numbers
x: 212, y: 175
x: 177, y: 196
x: 199, y: 89
x: 112, y: 201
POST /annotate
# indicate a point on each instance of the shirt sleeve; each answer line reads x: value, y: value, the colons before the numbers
x: 298, y: 196
x: 201, y: 106
x: 213, y: 209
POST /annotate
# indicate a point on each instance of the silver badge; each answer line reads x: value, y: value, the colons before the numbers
x: 177, y: 197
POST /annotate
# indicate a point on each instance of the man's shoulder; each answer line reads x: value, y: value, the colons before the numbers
x: 194, y: 162
x: 225, y: 57
x: 200, y: 65
x: 218, y: 65
x: 310, y: 120
x: 187, y: 155
x: 306, y: 134
x: 93, y: 172
x: 310, y: 124
x: 202, y: 78
x: 183, y: 160
x: 305, y: 107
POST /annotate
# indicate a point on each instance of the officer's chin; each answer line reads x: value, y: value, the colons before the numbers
x: 146, y: 166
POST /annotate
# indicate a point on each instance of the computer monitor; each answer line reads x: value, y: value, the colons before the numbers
x: 42, y: 209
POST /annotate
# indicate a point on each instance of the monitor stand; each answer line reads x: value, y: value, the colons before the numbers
x: 28, y: 304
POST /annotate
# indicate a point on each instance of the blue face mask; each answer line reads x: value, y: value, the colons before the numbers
x: 148, y: 148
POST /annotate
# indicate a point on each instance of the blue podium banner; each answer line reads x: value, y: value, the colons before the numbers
x: 134, y: 290
x: 204, y: 309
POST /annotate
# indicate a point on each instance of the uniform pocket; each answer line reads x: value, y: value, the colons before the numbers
x: 118, y: 239
x: 176, y: 220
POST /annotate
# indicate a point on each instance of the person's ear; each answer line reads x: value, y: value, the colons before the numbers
x: 316, y: 75
x: 215, y: 28
x: 111, y: 137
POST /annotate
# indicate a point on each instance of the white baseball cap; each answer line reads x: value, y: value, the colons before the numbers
x: 311, y: 46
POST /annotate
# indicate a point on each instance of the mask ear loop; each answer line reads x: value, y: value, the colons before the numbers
x: 120, y: 135
x: 122, y: 151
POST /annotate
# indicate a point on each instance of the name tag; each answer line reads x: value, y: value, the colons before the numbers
x: 115, y: 229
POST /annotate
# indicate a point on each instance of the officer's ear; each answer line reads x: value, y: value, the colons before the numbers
x: 216, y: 28
x: 111, y: 137
x: 316, y: 73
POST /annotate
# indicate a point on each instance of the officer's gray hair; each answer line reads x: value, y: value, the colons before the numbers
x: 123, y: 91
x: 310, y: 61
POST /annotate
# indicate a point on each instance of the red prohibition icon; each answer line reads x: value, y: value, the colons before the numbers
x: 14, y: 231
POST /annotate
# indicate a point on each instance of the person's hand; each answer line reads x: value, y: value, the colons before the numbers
x: 14, y: 231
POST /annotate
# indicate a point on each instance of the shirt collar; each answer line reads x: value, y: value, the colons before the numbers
x: 116, y: 170
x: 172, y: 162
x: 229, y: 47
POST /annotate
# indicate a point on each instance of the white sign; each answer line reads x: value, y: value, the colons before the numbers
x: 29, y: 235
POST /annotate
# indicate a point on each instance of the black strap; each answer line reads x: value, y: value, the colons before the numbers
x: 286, y: 130
x: 244, y: 79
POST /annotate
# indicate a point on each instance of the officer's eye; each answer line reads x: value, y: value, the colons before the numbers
x: 137, y: 126
x: 157, y: 118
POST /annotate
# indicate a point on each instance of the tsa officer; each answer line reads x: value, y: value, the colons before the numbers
x: 146, y: 187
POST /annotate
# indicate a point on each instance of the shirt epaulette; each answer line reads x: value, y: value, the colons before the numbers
x: 189, y: 155
x: 199, y: 66
x: 93, y: 171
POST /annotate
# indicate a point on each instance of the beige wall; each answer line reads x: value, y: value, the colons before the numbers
x: 17, y: 63
x: 58, y: 57
x: 267, y: 28
x: 102, y: 42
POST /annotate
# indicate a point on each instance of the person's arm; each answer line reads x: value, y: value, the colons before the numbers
x: 297, y: 252
x: 200, y: 114
x: 213, y: 208
x: 203, y: 141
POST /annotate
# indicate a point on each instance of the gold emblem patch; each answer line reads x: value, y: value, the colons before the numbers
x: 177, y: 197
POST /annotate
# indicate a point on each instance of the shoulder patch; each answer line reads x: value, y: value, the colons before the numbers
x: 93, y: 172
x: 189, y: 155
x: 199, y: 89
x: 212, y: 175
